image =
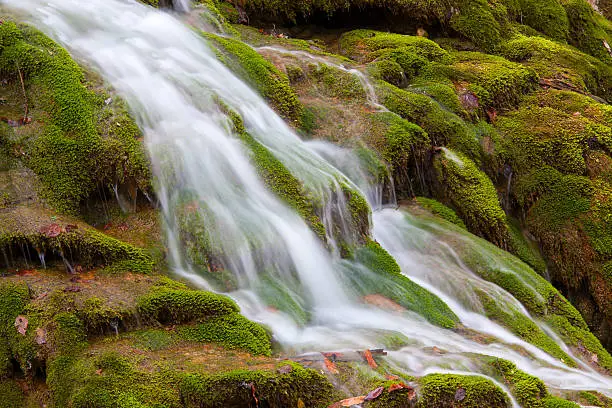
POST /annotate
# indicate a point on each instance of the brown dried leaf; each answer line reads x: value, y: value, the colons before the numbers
x: 391, y: 377
x: 286, y: 369
x: 21, y: 324
x: 331, y: 367
x: 41, y: 336
x: 398, y: 386
x: 51, y: 230
x: 460, y: 394
x: 71, y: 227
x: 372, y: 395
x: 411, y: 394
x: 368, y: 356
x: 348, y: 402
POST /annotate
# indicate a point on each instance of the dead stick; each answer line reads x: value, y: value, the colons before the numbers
x: 25, y: 96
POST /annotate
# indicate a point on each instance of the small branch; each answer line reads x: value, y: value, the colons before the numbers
x: 25, y: 96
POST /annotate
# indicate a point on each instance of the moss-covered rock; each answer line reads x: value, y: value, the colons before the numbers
x: 67, y: 144
x: 385, y: 278
x: 240, y: 388
x: 440, y: 210
x: 474, y: 196
x: 449, y: 390
x: 265, y: 77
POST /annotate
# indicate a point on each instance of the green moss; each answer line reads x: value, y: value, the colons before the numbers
x: 109, y: 380
x: 547, y: 16
x: 408, y: 58
x: 12, y: 395
x: 442, y: 126
x: 337, y: 83
x: 273, y: 390
x: 279, y: 179
x: 440, y: 210
x: 359, y: 210
x: 538, y: 296
x: 526, y: 250
x: 527, y: 389
x: 523, y: 326
x: 505, y: 82
x: 402, y: 145
x: 230, y: 331
x: 387, y: 70
x: 167, y: 305
x: 473, y: 195
x: 384, y: 277
x: 89, y: 247
x: 68, y: 334
x: 475, y: 20
x: 153, y: 340
x: 444, y: 94
x: 271, y: 83
x: 553, y: 60
x: 535, y: 136
x: 69, y: 155
x: 558, y: 199
x: 442, y: 390
x: 358, y: 42
x: 588, y: 29
x: 13, y: 300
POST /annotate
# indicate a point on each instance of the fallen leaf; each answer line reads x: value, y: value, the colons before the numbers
x: 41, y: 336
x: 348, y: 402
x: 331, y: 367
x: 368, y: 356
x: 411, y: 394
x: 301, y: 404
x: 460, y: 394
x: 391, y: 377
x: 398, y: 386
x: 99, y: 371
x: 51, y: 230
x: 253, y: 394
x: 372, y: 395
x: 286, y: 369
x: 21, y: 324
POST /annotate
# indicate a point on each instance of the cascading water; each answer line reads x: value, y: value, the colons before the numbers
x: 173, y: 82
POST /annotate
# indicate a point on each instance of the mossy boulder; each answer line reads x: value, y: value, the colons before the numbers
x: 265, y: 77
x: 473, y: 195
x: 240, y: 388
x: 69, y: 144
x: 450, y: 390
x: 385, y: 278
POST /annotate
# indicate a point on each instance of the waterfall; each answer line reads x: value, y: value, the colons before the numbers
x: 172, y: 82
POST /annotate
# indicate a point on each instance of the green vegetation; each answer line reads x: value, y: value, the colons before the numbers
x: 265, y: 77
x: 474, y: 196
x: 70, y: 154
x: 386, y: 279
x: 442, y: 390
x: 274, y: 390
x: 440, y: 210
x: 529, y: 391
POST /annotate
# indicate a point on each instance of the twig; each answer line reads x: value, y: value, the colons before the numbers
x: 25, y: 96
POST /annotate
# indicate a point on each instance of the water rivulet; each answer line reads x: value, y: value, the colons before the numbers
x: 207, y: 131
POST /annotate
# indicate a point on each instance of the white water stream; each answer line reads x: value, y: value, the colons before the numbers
x: 171, y: 80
